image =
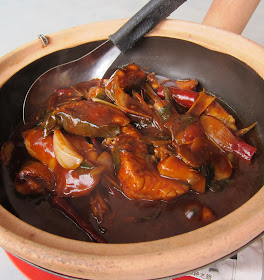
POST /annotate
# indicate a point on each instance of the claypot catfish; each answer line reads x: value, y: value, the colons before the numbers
x: 223, y: 63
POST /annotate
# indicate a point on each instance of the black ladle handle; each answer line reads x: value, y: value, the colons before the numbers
x: 143, y: 21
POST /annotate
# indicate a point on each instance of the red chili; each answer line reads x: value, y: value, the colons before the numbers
x: 63, y: 206
x: 244, y: 150
x: 185, y: 98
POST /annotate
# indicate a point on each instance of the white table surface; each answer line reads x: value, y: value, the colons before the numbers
x: 21, y: 21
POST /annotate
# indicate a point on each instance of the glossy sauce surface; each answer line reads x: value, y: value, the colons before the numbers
x: 130, y: 220
x: 133, y: 219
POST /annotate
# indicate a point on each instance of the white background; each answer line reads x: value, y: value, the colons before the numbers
x: 21, y: 21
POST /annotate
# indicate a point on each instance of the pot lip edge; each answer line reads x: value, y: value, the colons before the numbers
x: 197, y: 33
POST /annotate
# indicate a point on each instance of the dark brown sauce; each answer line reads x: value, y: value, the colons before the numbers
x: 129, y: 220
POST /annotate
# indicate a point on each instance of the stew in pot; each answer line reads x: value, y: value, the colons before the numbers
x: 133, y: 158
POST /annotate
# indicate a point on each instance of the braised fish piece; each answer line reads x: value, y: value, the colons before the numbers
x: 35, y: 178
x: 119, y: 85
x: 141, y: 180
x: 173, y: 167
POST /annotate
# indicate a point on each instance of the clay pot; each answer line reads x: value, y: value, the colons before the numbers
x: 224, y: 63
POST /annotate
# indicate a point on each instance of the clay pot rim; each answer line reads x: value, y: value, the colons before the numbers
x: 139, y: 260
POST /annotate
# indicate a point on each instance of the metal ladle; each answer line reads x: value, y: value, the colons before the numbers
x: 96, y: 63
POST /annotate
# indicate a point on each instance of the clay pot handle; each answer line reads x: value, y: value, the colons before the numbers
x: 230, y: 15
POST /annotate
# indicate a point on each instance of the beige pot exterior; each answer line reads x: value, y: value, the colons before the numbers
x: 146, y: 260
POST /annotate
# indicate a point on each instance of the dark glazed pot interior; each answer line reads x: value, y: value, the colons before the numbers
x: 232, y: 81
